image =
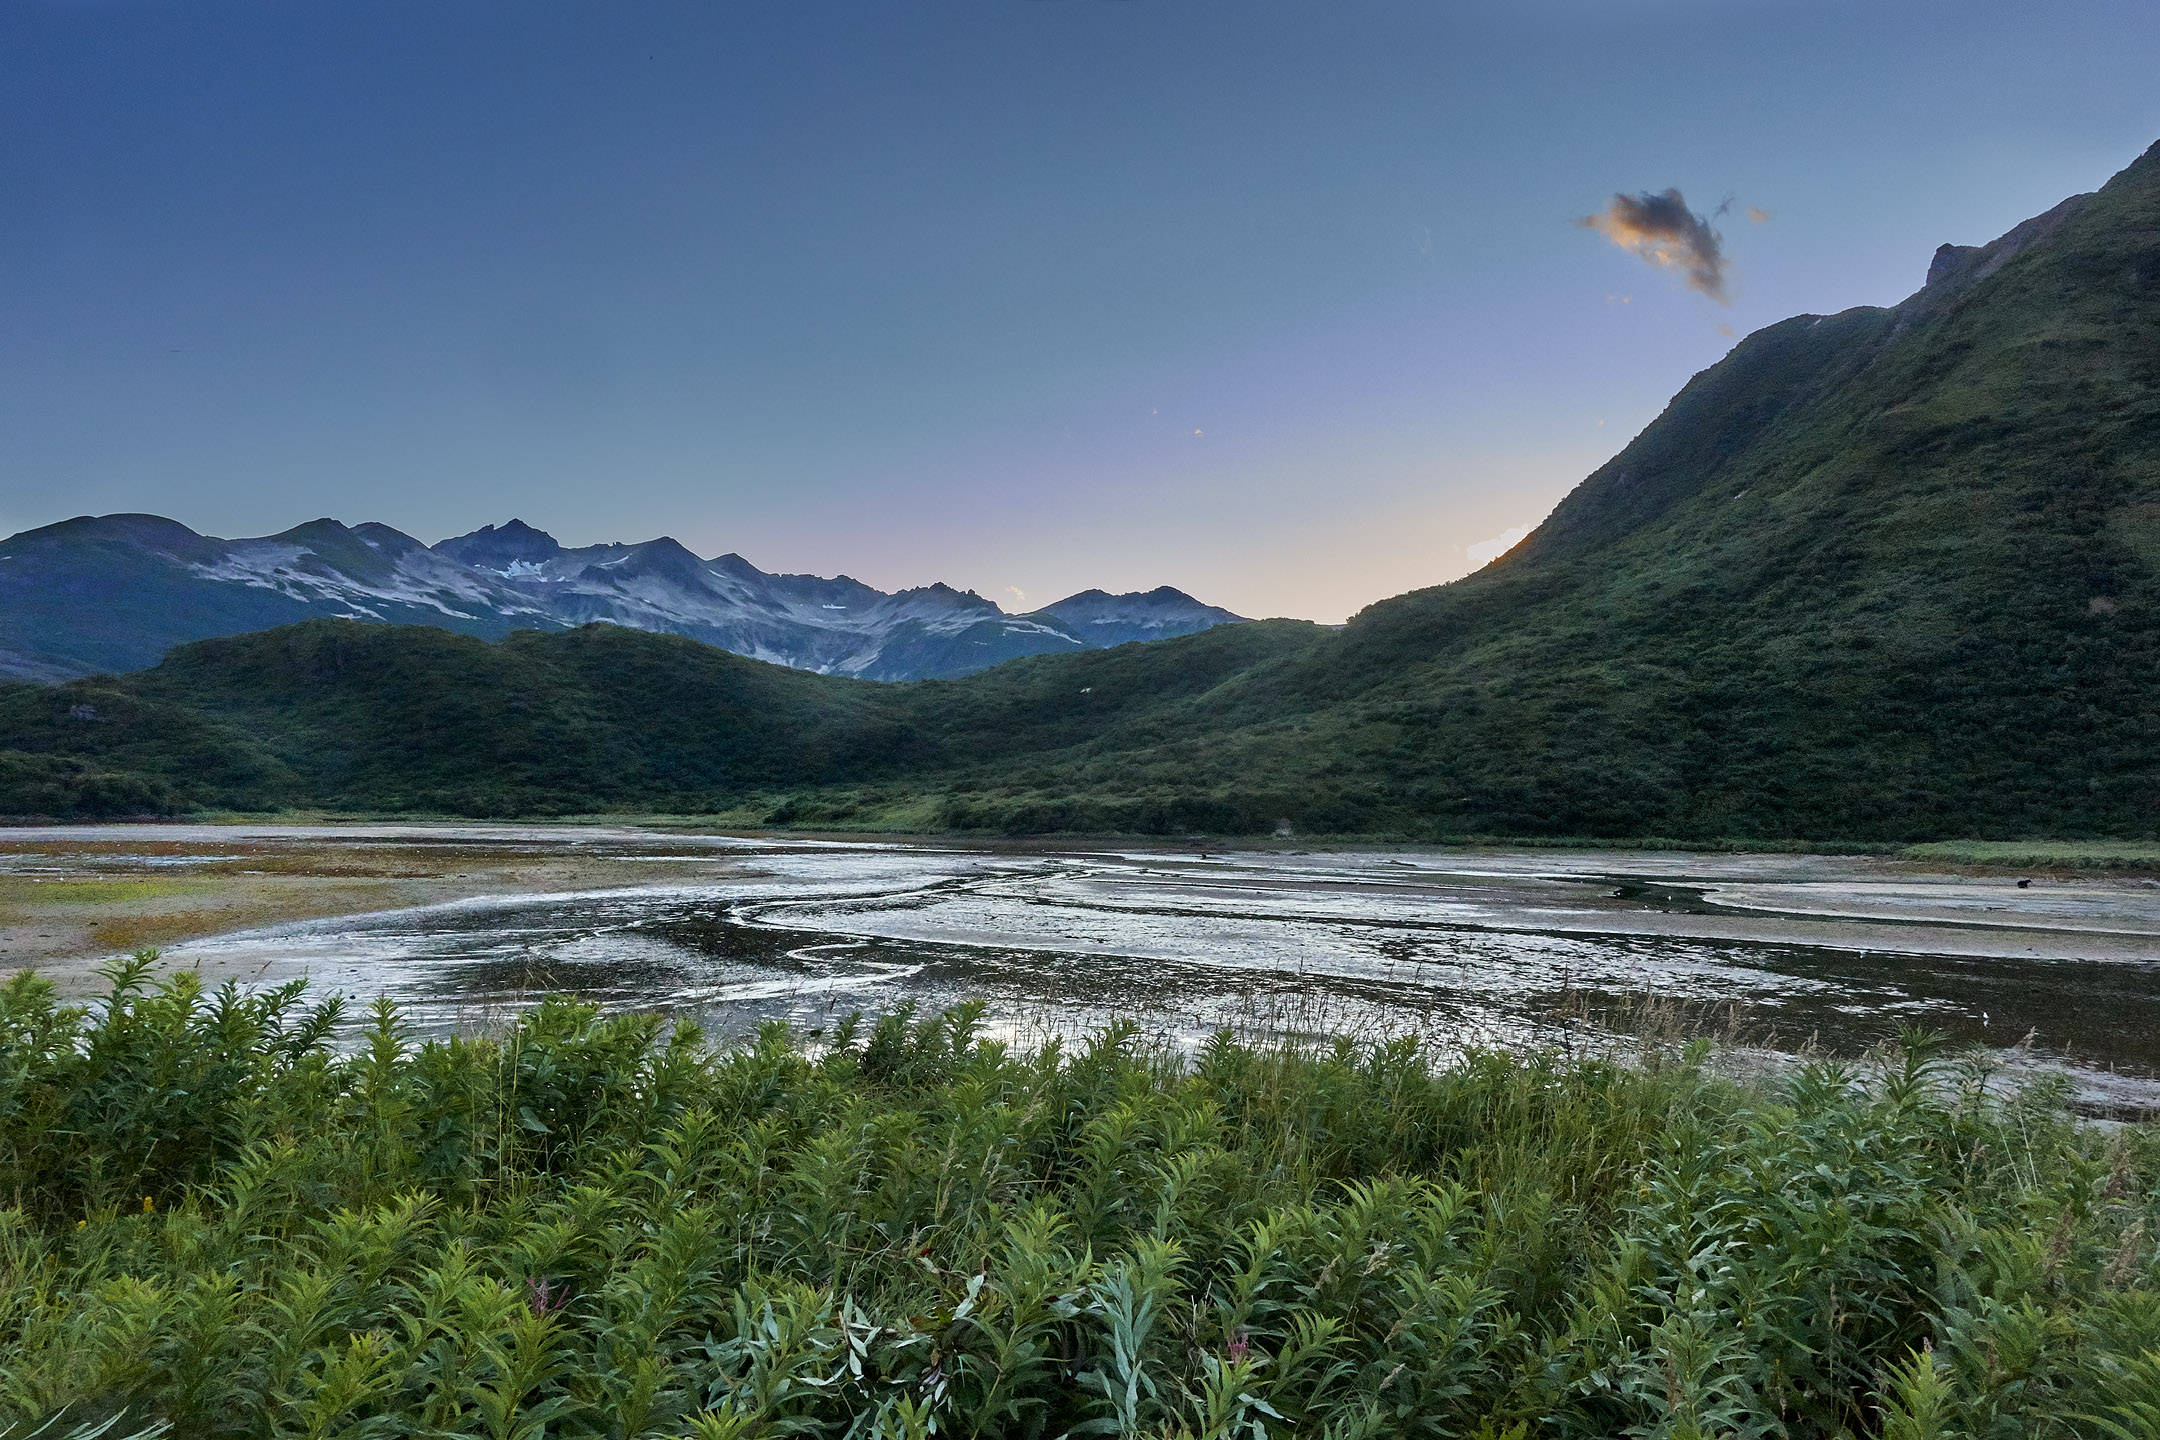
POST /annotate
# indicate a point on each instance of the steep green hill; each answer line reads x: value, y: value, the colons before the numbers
x: 1889, y: 574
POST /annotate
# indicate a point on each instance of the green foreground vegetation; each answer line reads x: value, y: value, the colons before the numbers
x: 601, y: 1226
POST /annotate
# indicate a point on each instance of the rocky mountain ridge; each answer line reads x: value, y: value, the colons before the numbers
x: 1886, y: 575
x: 115, y: 592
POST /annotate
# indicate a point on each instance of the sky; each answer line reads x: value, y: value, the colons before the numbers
x: 1294, y: 306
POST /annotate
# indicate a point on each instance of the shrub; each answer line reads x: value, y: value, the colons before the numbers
x: 595, y: 1225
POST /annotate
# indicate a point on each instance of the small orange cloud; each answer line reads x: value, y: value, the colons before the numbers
x: 1662, y: 230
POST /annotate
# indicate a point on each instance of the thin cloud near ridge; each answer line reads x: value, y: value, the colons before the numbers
x: 1484, y: 552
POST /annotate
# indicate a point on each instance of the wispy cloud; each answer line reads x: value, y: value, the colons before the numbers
x: 1486, y: 551
x: 1662, y: 230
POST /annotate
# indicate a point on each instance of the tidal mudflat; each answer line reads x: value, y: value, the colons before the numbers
x: 1494, y: 948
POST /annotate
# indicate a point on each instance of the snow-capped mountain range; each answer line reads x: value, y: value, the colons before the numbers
x: 115, y: 592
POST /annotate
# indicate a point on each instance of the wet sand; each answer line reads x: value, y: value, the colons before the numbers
x: 464, y: 924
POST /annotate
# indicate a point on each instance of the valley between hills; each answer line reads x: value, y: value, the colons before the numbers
x: 1886, y: 576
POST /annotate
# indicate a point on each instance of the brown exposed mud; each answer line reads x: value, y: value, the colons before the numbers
x: 70, y: 898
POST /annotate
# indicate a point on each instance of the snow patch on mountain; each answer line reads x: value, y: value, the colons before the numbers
x: 415, y: 576
x: 176, y: 585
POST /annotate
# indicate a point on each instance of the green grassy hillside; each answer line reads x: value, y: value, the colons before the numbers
x: 344, y: 715
x: 337, y: 714
x: 1883, y: 575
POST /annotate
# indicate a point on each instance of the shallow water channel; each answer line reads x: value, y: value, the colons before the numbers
x: 1493, y: 948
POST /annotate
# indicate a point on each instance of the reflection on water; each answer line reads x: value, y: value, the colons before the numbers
x: 1488, y: 949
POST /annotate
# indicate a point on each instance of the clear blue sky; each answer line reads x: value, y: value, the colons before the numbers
x: 1284, y: 304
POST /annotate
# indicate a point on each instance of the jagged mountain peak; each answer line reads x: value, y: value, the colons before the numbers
x: 1958, y: 267
x: 1157, y: 614
x: 501, y: 548
x: 1162, y: 597
x: 115, y: 592
x: 387, y: 538
x: 733, y: 564
x: 322, y: 525
x: 939, y: 592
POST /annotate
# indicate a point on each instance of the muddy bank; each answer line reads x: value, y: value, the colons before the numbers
x: 73, y: 896
x: 464, y: 925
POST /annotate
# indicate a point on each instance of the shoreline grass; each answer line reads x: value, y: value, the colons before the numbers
x: 2042, y: 854
x: 2136, y: 856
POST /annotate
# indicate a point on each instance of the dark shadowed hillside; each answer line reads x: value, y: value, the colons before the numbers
x: 1883, y: 574
x: 350, y: 716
